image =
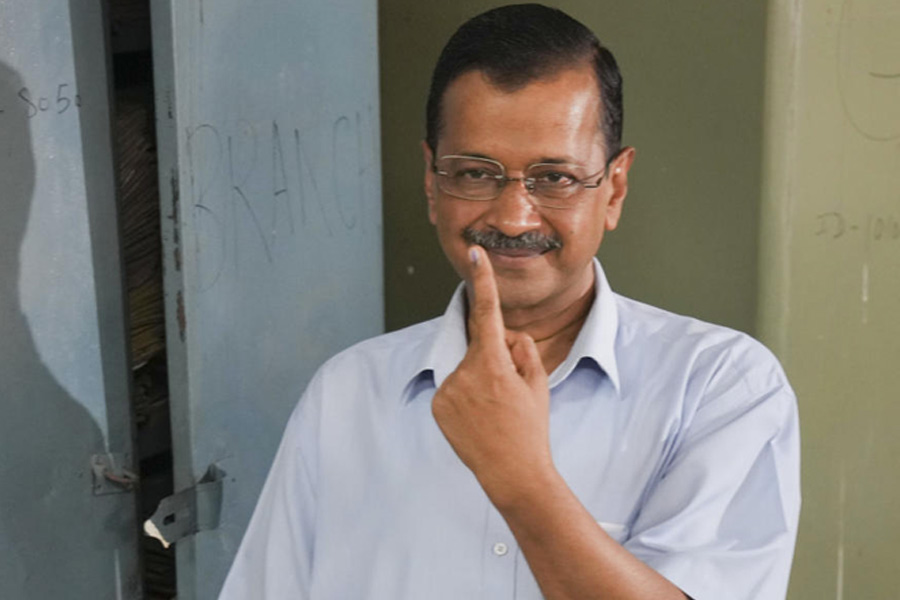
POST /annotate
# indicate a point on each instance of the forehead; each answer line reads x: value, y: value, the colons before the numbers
x: 555, y: 117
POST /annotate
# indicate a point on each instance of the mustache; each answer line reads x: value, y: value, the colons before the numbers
x: 530, y: 240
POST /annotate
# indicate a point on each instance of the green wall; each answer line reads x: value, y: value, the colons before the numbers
x: 693, y: 109
x: 830, y: 280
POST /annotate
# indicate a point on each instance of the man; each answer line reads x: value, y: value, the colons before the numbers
x: 545, y: 437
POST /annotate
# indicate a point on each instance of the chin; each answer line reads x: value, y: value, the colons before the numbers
x: 521, y: 294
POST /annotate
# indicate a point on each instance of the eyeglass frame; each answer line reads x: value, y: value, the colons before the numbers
x: 503, y: 179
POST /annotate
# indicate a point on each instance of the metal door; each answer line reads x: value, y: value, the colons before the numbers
x: 269, y: 161
x: 67, y: 528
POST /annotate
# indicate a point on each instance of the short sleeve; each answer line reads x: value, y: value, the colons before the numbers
x: 721, y: 520
x: 274, y: 560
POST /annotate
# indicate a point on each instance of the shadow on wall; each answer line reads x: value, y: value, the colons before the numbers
x: 52, y: 533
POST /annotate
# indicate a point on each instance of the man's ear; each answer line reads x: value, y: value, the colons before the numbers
x: 618, y: 179
x: 428, y: 155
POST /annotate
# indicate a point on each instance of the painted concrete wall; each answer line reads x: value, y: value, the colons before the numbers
x: 830, y: 280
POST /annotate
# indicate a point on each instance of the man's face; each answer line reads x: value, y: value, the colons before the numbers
x: 548, y: 120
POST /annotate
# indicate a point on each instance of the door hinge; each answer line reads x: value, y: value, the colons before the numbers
x: 191, y: 510
x: 110, y: 476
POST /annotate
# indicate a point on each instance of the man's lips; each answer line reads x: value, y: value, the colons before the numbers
x: 516, y: 252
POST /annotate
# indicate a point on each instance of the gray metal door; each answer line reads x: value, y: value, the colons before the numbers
x: 66, y: 529
x: 269, y: 158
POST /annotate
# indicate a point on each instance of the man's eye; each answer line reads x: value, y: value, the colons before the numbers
x: 556, y: 179
x: 473, y: 174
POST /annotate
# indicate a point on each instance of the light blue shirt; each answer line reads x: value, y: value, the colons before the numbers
x: 679, y: 437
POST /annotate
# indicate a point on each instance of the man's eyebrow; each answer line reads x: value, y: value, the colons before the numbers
x: 550, y: 160
x: 474, y: 155
x: 557, y: 160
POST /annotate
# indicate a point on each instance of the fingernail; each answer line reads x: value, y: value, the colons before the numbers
x: 473, y: 256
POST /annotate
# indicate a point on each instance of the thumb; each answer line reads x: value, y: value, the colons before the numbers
x: 527, y: 360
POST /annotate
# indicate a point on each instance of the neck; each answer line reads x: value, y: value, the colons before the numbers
x: 554, y: 333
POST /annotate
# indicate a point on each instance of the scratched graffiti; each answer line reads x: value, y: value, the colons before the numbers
x: 37, y: 103
x: 879, y: 228
x: 257, y: 188
x: 868, y: 65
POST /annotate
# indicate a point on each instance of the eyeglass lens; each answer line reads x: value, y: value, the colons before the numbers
x: 482, y: 179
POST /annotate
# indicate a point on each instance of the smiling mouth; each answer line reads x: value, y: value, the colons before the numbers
x: 517, y: 252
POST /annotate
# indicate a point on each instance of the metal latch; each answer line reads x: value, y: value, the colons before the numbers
x: 110, y: 475
x: 183, y: 514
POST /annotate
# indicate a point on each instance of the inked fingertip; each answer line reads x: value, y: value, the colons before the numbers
x: 473, y: 255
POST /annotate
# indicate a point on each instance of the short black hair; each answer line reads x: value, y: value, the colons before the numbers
x: 520, y: 43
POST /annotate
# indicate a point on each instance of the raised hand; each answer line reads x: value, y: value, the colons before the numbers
x: 494, y: 408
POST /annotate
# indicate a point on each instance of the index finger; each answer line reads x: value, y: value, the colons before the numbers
x: 485, y: 318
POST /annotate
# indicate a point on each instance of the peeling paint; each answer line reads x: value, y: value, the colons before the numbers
x: 173, y: 181
x: 179, y: 314
x: 174, y: 217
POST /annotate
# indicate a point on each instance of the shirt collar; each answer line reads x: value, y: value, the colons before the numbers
x: 595, y: 341
x: 597, y: 338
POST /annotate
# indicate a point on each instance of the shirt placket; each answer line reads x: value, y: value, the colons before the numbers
x: 499, y: 551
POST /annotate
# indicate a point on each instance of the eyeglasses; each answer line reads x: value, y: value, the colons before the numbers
x: 482, y: 179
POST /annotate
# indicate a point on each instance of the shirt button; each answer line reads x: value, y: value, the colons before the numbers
x: 500, y: 549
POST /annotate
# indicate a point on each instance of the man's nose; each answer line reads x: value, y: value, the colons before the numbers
x: 513, y: 212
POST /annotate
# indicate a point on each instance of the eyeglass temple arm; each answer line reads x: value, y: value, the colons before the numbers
x: 596, y: 184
